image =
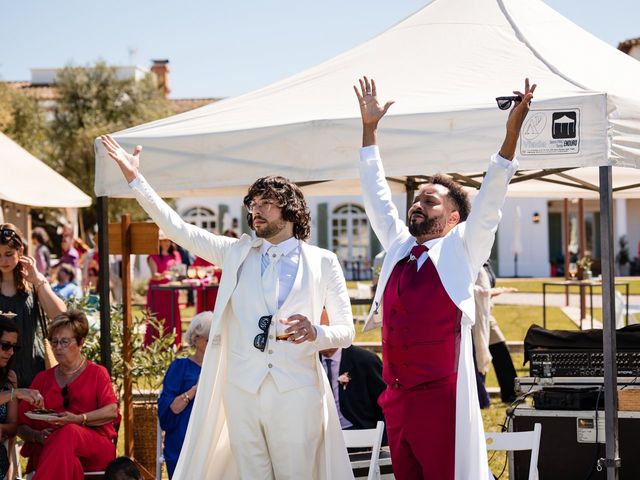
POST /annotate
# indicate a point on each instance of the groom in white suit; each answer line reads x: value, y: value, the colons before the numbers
x: 425, y: 293
x: 262, y: 395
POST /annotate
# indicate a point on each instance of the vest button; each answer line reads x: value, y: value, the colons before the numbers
x: 270, y: 352
x: 393, y: 311
x: 391, y: 329
x: 270, y: 365
x: 271, y: 336
x: 405, y: 347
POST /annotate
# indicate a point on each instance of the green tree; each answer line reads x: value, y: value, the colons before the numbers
x: 23, y: 120
x: 93, y: 101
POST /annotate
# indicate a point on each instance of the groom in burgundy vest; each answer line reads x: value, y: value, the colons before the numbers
x: 425, y: 290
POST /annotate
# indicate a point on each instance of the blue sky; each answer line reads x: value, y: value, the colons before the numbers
x: 222, y: 47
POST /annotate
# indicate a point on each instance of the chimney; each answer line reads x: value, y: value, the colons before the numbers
x: 161, y: 70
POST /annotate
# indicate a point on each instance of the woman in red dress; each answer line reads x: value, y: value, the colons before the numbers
x: 81, y: 435
x: 161, y: 302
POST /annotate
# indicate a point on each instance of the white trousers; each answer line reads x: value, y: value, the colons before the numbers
x: 275, y: 435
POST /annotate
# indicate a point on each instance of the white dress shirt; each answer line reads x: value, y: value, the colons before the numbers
x: 287, y: 265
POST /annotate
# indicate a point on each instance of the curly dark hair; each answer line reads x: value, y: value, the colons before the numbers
x: 288, y: 196
x: 11, y: 236
x: 456, y: 194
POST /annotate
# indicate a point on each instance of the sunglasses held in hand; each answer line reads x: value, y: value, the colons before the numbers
x: 504, y: 103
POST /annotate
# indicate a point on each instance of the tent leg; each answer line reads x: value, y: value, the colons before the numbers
x: 103, y: 287
x: 612, y: 461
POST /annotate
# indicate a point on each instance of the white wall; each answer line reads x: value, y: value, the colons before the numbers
x: 534, y: 259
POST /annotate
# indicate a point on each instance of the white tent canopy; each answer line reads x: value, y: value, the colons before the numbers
x: 443, y: 66
x: 30, y: 182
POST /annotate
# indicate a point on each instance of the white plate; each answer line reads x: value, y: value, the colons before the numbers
x: 43, y: 417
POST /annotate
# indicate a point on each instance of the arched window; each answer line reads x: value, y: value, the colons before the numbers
x: 350, y: 240
x: 201, y: 217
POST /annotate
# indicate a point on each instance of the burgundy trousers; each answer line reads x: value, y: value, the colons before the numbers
x: 421, y: 428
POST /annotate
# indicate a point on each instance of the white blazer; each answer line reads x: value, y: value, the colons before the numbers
x: 206, y: 452
x: 457, y: 257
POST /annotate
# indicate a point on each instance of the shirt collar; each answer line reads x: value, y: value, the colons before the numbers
x: 336, y: 357
x: 429, y: 243
x: 287, y: 246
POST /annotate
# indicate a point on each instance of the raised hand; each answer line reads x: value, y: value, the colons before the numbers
x: 521, y: 108
x: 370, y: 109
x: 29, y: 395
x: 31, y: 274
x: 128, y: 162
x: 516, y: 118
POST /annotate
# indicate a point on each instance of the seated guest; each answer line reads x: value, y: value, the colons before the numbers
x: 9, y: 393
x: 82, y: 436
x: 355, y: 376
x: 66, y: 287
x: 122, y: 468
x: 179, y: 388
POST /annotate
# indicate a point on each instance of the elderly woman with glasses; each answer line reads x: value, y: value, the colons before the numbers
x: 22, y: 292
x: 81, y: 434
x: 179, y: 389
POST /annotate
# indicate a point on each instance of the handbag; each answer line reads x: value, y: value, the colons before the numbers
x: 49, y: 357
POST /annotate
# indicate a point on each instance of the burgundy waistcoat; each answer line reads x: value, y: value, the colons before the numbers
x: 421, y: 332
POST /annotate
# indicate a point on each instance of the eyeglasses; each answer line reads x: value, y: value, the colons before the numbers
x: 65, y: 396
x: 8, y: 234
x: 62, y: 342
x: 263, y: 206
x: 504, y: 103
x: 6, y: 346
x: 260, y: 341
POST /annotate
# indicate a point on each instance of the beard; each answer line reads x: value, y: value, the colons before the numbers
x: 270, y: 229
x: 428, y: 226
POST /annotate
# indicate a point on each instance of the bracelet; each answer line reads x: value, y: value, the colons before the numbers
x: 11, y: 395
x: 186, y: 398
x: 84, y: 419
x: 39, y: 284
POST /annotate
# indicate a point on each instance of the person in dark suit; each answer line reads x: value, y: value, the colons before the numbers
x: 355, y: 375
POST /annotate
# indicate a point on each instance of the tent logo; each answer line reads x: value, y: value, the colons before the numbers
x: 564, y: 125
x: 534, y: 126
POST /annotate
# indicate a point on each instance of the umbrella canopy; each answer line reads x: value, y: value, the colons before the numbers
x: 30, y: 182
x: 443, y: 65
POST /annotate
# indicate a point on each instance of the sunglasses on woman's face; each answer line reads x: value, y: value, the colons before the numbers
x: 6, y: 346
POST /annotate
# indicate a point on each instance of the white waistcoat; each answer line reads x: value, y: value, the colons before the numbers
x: 292, y: 366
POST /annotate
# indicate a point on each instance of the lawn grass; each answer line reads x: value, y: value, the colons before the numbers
x: 534, y: 285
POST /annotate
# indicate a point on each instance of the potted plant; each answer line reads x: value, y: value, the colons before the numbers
x: 147, y: 369
x: 585, y: 266
x: 623, y: 257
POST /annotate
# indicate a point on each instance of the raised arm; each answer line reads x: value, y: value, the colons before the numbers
x: 197, y: 240
x: 378, y: 202
x: 481, y: 226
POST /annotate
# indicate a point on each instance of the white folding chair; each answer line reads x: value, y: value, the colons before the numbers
x: 159, y: 454
x: 369, y: 438
x: 513, y: 441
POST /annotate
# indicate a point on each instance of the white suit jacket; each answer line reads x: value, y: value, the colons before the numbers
x: 457, y: 257
x: 206, y: 452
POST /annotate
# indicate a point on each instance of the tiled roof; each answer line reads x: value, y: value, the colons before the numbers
x: 627, y: 45
x: 180, y: 105
x: 40, y: 92
x: 49, y: 92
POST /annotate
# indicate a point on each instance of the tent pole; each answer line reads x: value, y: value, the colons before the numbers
x: 612, y: 461
x: 103, y: 282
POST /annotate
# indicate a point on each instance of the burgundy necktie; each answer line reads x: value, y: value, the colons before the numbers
x: 410, y: 268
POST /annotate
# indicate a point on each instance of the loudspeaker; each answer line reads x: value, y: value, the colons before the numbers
x: 567, y: 446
